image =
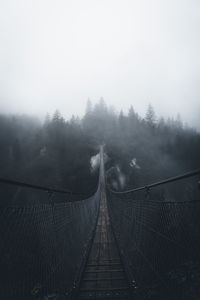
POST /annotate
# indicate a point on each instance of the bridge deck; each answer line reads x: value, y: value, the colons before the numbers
x: 104, y: 277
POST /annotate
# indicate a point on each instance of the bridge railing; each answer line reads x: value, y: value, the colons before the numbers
x: 159, y: 242
x: 45, y: 236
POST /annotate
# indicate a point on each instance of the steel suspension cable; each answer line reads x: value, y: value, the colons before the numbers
x: 43, y: 188
x: 152, y: 185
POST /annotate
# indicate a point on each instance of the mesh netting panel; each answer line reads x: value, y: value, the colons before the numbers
x: 160, y: 245
x: 43, y: 247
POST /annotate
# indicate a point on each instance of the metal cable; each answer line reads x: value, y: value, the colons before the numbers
x: 168, y: 180
x: 47, y: 189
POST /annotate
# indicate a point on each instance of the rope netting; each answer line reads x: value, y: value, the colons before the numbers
x: 46, y: 234
x: 159, y: 242
x: 45, y: 237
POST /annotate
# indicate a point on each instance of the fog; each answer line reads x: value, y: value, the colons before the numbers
x: 57, y: 54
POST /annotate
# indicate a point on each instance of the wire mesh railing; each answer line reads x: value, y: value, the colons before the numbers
x: 45, y: 238
x: 43, y: 247
x: 159, y: 241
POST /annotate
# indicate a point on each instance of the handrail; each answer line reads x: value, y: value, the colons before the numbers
x: 168, y: 180
x: 38, y: 187
x: 44, y: 188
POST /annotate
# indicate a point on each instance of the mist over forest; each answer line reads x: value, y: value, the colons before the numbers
x: 99, y: 199
x: 64, y: 153
x: 47, y: 235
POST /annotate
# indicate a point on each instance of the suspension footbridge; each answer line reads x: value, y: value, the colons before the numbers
x: 110, y: 245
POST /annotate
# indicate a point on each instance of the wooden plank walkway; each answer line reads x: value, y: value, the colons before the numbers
x: 104, y: 277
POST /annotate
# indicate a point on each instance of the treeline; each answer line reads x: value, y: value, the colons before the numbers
x: 58, y: 152
x: 142, y: 150
x: 55, y: 153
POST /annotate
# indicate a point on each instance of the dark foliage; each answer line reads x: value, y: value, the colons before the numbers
x: 58, y: 152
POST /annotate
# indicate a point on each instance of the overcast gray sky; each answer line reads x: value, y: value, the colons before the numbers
x: 57, y: 53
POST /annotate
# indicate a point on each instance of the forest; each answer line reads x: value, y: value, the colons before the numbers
x: 64, y: 153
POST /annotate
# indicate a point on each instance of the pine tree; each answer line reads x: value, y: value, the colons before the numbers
x: 150, y: 115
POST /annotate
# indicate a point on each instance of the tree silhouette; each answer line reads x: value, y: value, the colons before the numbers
x: 150, y: 115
